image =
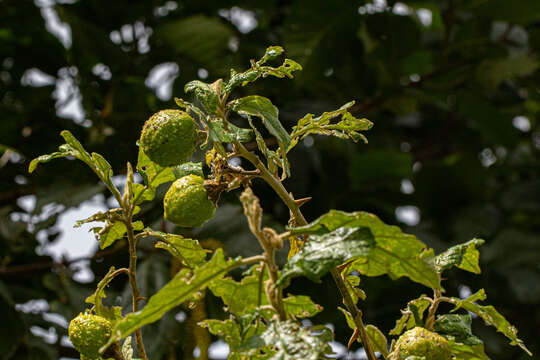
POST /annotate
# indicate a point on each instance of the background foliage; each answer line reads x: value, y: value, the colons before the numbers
x: 451, y: 86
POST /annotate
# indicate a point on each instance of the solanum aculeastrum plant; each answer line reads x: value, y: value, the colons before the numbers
x: 88, y: 333
x: 262, y: 323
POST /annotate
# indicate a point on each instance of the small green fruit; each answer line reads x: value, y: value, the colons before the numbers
x: 421, y: 342
x: 186, y: 202
x: 168, y: 138
x: 88, y: 333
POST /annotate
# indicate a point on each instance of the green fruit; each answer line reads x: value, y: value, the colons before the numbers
x: 88, y: 333
x: 169, y: 137
x: 421, y: 342
x: 186, y: 202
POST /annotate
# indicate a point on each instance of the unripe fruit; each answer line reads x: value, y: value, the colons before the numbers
x: 168, y: 138
x: 422, y: 342
x: 88, y: 333
x: 186, y: 202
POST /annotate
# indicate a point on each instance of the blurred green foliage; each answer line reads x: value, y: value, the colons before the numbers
x: 451, y: 86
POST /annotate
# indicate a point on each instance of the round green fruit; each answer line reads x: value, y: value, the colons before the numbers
x: 168, y: 138
x: 421, y: 342
x: 186, y: 202
x: 88, y: 333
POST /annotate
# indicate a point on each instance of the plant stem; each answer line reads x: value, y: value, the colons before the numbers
x: 133, y: 280
x: 294, y: 207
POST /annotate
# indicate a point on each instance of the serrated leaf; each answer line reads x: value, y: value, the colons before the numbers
x: 394, y: 253
x: 188, y: 251
x: 301, y: 306
x: 457, y: 326
x: 293, y: 342
x: 178, y: 290
x: 207, y: 94
x: 99, y: 216
x: 257, y: 69
x: 346, y: 127
x: 412, y: 316
x: 321, y: 253
x: 377, y: 339
x: 188, y: 168
x: 490, y: 316
x: 464, y: 256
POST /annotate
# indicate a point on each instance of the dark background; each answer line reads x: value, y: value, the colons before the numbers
x: 451, y: 86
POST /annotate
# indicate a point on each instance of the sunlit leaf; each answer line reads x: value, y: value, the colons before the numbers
x: 301, y: 306
x: 340, y: 123
x: 257, y: 69
x: 188, y: 251
x: 377, y: 339
x: 218, y: 132
x: 490, y: 316
x: 188, y: 168
x: 464, y: 256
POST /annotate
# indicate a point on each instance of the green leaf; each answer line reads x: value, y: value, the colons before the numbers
x: 490, y: 316
x: 466, y: 352
x: 347, y: 127
x: 153, y: 176
x: 257, y: 69
x: 377, y: 339
x: 244, y: 296
x: 188, y: 251
x: 113, y: 314
x: 110, y: 233
x: 301, y: 306
x: 293, y: 342
x: 73, y: 147
x: 189, y: 168
x: 394, y: 252
x: 178, y: 290
x: 263, y: 108
x: 464, y: 256
x: 207, y: 94
x: 412, y: 316
x: 230, y: 134
x: 321, y: 253
x: 458, y: 327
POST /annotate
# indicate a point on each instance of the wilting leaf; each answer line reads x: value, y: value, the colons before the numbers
x: 346, y: 127
x: 464, y: 256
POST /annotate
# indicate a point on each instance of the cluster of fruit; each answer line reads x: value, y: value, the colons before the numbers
x: 169, y: 138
